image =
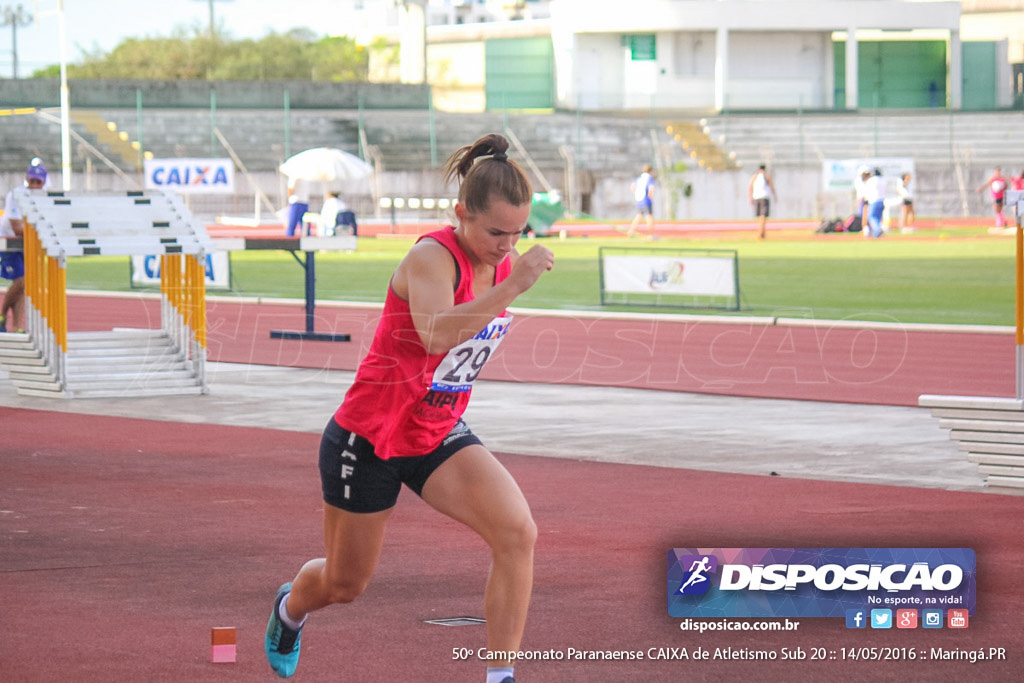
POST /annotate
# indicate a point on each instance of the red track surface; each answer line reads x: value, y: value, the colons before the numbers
x: 123, y: 542
x: 878, y: 366
x: 581, y: 228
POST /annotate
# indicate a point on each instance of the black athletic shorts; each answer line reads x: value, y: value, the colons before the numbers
x: 353, y: 478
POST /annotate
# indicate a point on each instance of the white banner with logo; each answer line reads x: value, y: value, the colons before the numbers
x: 190, y: 176
x: 689, y: 275
x: 146, y: 270
x: 842, y: 175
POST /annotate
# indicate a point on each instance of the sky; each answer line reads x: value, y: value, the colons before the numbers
x: 103, y: 24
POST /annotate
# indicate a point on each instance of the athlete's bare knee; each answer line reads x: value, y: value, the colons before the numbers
x: 517, y: 537
x: 343, y: 591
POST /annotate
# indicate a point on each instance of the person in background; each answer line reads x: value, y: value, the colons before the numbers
x: 996, y: 185
x: 347, y: 221
x: 861, y: 202
x: 401, y: 420
x: 335, y: 217
x: 330, y: 213
x: 758, y: 191
x: 907, y: 206
x: 12, y: 263
x: 643, y: 193
x: 1018, y: 182
x: 874, y: 194
x: 298, y: 205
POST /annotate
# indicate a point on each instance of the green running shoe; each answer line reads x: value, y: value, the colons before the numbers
x: 282, y: 643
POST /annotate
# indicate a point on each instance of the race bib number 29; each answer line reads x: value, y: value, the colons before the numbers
x: 463, y: 364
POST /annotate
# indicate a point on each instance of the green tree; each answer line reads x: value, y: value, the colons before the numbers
x: 190, y: 54
x: 339, y: 60
x: 673, y: 180
x: 386, y: 60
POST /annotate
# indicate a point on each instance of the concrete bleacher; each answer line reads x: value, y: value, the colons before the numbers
x: 25, y: 136
x: 259, y: 137
x: 403, y: 137
x: 931, y: 138
x: 952, y: 151
x: 607, y: 145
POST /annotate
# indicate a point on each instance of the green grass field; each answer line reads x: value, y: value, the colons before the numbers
x: 959, y: 276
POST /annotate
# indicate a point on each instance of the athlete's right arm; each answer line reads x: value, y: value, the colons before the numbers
x: 426, y: 279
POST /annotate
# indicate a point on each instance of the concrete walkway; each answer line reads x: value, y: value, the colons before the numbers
x: 901, y: 446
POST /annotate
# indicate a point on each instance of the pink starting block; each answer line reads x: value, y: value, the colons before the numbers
x: 223, y: 643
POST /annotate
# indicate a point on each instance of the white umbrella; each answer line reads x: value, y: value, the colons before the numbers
x: 326, y: 164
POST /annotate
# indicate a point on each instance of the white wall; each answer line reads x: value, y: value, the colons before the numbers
x: 600, y: 16
x: 716, y: 196
x: 457, y: 74
x: 686, y: 63
x: 689, y: 54
x: 595, y: 80
x: 776, y: 69
x: 996, y: 26
x: 797, y: 74
x: 779, y: 51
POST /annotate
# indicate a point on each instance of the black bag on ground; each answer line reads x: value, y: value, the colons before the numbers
x: 834, y: 225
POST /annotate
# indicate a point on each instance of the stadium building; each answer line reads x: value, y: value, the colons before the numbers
x: 704, y: 90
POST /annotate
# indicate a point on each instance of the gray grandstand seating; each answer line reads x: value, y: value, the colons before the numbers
x: 402, y: 136
x: 951, y: 149
x: 929, y: 137
x: 603, y: 142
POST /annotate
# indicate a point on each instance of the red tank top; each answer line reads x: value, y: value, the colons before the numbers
x: 405, y: 401
x: 998, y: 187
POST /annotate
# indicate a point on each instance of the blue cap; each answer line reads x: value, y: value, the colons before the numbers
x: 36, y: 170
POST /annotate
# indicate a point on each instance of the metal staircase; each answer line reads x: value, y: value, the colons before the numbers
x: 704, y: 152
x: 107, y: 136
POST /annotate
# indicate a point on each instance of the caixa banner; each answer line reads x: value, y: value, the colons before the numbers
x: 145, y: 270
x: 817, y: 582
x: 190, y: 176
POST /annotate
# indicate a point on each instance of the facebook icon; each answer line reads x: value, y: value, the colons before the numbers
x: 856, y: 618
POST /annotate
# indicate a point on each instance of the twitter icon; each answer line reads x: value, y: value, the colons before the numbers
x: 881, y: 618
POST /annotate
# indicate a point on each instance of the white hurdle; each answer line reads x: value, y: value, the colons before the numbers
x: 119, y: 362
